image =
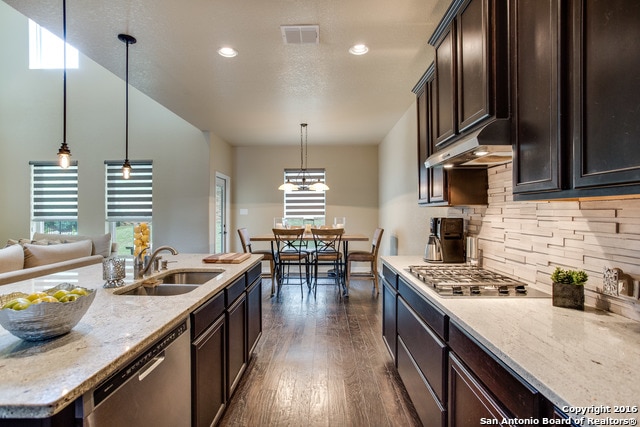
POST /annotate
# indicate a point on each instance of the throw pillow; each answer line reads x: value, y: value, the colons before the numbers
x: 101, y: 244
x: 35, y: 255
x: 11, y: 258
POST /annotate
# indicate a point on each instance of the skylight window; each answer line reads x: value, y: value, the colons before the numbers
x: 46, y: 51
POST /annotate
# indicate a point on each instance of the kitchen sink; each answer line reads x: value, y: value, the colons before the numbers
x: 161, y: 290
x: 189, y: 277
x: 173, y: 283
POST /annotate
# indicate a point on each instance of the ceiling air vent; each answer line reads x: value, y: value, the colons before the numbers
x: 300, y: 34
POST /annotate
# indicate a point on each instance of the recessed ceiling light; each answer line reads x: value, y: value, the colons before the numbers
x: 358, y: 49
x: 227, y: 52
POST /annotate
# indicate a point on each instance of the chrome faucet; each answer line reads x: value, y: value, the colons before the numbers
x: 140, y: 268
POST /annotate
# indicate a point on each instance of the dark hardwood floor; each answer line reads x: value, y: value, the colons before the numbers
x: 321, y: 362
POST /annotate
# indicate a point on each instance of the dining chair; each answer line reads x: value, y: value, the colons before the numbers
x: 367, y: 256
x: 327, y: 252
x: 267, y: 255
x: 288, y: 252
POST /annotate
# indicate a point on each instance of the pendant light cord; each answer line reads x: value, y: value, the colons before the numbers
x: 64, y: 72
x: 126, y: 108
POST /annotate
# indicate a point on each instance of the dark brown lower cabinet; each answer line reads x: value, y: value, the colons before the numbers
x: 389, y: 336
x: 422, y: 365
x: 237, y: 342
x: 254, y: 316
x: 208, y: 375
x: 430, y: 411
x: 470, y: 403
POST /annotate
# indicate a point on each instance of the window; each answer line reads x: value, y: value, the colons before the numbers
x: 129, y: 202
x: 54, y: 198
x: 300, y: 206
x: 46, y: 51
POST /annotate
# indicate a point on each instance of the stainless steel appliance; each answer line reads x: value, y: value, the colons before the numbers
x: 153, y: 390
x: 471, y: 281
x: 447, y: 234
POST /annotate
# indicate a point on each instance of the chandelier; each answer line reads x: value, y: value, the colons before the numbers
x: 303, y: 180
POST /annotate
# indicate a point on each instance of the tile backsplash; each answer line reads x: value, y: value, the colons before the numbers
x: 528, y: 240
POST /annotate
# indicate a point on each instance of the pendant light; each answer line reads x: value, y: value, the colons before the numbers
x: 303, y: 176
x: 126, y: 166
x: 64, y: 153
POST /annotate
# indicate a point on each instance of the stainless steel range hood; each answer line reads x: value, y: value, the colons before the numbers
x: 487, y: 146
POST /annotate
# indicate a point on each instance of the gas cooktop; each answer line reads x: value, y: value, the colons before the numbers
x: 460, y: 280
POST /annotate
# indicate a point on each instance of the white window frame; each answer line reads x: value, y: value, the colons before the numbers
x: 120, y: 193
x: 46, y: 50
x: 305, y: 204
x: 54, y: 194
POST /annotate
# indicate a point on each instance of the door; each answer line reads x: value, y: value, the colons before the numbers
x: 222, y: 207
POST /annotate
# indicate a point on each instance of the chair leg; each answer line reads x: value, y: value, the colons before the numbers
x: 374, y: 271
x: 272, y: 266
x: 348, y: 274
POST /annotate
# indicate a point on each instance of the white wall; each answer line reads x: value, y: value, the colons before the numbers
x: 31, y: 129
x: 352, y: 175
x: 405, y: 222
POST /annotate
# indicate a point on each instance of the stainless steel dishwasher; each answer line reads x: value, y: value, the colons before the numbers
x: 153, y: 390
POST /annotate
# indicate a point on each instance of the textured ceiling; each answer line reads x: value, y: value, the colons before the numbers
x: 261, y: 95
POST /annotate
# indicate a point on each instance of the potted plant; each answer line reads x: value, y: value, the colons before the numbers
x: 568, y: 288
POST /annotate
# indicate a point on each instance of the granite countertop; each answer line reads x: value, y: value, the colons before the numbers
x: 574, y: 358
x: 40, y: 378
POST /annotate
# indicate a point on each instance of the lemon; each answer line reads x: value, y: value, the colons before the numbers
x: 60, y: 293
x: 69, y: 297
x: 36, y: 295
x: 17, y: 304
x: 46, y: 298
x: 79, y: 291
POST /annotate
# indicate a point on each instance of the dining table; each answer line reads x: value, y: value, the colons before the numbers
x: 308, y: 237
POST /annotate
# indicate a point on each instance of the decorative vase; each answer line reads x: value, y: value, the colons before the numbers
x: 568, y: 295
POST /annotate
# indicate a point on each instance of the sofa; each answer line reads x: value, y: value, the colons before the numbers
x: 44, y: 254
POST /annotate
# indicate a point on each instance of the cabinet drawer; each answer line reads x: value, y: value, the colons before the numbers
x: 427, y: 350
x: 432, y: 316
x: 254, y: 273
x: 390, y: 276
x: 429, y: 410
x: 206, y: 314
x: 234, y: 290
x: 517, y: 396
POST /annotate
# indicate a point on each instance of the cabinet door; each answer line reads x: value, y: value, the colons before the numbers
x: 473, y: 63
x: 208, y: 375
x: 437, y: 176
x: 423, y: 144
x: 537, y: 131
x: 606, y: 128
x: 236, y: 343
x: 470, y: 404
x: 254, y: 316
x: 444, y: 125
x: 389, y: 330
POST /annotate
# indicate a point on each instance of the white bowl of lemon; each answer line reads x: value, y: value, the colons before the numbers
x: 47, y: 314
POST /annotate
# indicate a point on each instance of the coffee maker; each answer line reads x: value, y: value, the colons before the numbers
x: 446, y: 241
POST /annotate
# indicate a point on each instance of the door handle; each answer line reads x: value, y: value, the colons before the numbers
x: 151, y: 366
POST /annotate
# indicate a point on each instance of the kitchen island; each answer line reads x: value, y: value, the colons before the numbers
x: 576, y: 360
x: 39, y: 379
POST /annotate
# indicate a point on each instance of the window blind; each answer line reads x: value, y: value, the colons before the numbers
x: 54, y: 191
x: 304, y: 203
x: 129, y: 199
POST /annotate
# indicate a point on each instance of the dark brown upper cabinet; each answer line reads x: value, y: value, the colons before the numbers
x: 606, y: 92
x: 471, y: 68
x: 431, y: 182
x: 575, y: 98
x: 537, y: 128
